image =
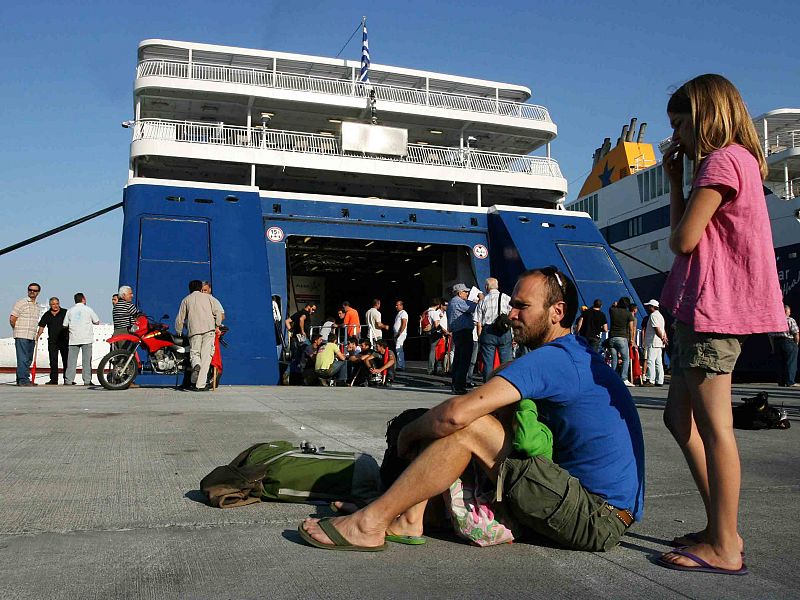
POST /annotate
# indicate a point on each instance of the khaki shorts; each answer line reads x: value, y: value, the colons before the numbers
x: 715, y: 353
x: 547, y: 500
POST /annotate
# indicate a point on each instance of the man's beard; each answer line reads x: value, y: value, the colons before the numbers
x: 534, y: 335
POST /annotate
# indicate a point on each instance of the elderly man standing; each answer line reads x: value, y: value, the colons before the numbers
x: 124, y: 312
x: 23, y: 320
x: 80, y: 320
x: 460, y: 324
x: 57, y: 338
x: 491, y: 335
x: 585, y: 498
x: 199, y: 312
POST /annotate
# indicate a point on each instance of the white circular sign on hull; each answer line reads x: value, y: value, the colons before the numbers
x: 275, y: 234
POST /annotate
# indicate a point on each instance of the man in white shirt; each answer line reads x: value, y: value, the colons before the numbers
x: 400, y: 329
x: 373, y: 319
x: 492, y: 339
x: 80, y: 319
x: 655, y: 337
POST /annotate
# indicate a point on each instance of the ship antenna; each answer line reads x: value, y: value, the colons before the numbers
x: 350, y: 39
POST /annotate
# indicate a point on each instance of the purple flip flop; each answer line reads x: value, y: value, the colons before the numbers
x: 702, y: 566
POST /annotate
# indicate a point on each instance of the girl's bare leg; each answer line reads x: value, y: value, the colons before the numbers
x: 713, y: 420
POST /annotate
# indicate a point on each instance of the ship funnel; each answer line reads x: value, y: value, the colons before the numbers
x: 605, y: 147
x: 631, y: 130
x: 624, y: 135
x: 642, y: 129
x: 595, y: 157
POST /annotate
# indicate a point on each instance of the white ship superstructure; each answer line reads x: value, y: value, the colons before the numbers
x: 279, y: 122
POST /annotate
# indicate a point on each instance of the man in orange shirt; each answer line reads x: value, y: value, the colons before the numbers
x: 351, y: 320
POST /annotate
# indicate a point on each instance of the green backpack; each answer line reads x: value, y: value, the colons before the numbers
x: 281, y: 471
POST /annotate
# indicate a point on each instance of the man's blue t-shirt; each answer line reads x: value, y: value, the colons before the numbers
x: 597, y: 435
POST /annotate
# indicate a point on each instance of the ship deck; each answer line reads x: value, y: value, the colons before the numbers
x: 100, y: 497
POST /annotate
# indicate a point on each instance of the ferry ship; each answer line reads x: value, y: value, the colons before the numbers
x: 627, y: 196
x: 296, y: 178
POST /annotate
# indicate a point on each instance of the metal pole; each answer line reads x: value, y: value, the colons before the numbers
x: 59, y: 229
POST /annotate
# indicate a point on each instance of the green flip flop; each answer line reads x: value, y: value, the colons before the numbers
x: 339, y: 541
x: 408, y: 540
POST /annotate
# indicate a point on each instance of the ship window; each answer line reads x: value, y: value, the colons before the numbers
x: 231, y: 199
x: 524, y: 220
x: 276, y: 208
x: 653, y: 193
x: 640, y: 181
x: 473, y: 221
x: 175, y: 198
x: 659, y: 181
x: 646, y: 183
x: 204, y: 201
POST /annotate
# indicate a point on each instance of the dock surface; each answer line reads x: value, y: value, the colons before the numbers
x: 99, y: 496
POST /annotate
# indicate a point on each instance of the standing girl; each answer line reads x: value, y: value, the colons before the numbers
x: 722, y: 287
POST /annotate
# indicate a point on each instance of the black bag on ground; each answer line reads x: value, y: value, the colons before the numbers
x: 758, y: 413
x: 392, y: 464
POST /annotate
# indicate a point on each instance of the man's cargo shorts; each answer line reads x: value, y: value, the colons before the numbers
x: 547, y: 500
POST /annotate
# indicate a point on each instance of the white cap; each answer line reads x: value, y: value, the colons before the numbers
x: 653, y: 303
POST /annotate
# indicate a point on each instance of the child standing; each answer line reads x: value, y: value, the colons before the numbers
x: 722, y: 287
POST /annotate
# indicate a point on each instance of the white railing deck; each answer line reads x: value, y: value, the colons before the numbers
x: 340, y: 87
x: 291, y: 141
x: 783, y: 141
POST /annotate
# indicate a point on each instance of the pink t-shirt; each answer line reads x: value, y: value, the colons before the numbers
x: 729, y: 283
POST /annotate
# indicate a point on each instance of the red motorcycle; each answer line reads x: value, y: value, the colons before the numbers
x: 167, y: 354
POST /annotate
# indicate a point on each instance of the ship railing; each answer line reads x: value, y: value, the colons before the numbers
x: 341, y: 87
x: 292, y: 141
x: 785, y: 190
x: 784, y: 141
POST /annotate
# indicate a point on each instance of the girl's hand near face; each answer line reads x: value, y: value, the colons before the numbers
x: 673, y: 164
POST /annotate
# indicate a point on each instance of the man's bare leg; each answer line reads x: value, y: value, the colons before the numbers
x: 433, y: 471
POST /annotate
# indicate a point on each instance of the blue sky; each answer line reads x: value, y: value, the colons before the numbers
x: 68, y: 72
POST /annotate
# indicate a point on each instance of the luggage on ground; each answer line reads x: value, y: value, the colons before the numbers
x: 281, y: 471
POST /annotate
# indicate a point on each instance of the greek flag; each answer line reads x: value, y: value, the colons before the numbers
x: 364, y: 75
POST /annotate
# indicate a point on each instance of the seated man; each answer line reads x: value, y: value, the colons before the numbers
x: 352, y: 353
x: 363, y: 363
x: 384, y: 362
x: 330, y: 363
x: 584, y: 499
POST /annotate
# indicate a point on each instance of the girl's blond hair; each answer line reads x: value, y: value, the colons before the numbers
x: 719, y: 116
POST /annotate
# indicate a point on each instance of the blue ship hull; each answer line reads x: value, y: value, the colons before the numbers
x: 238, y: 241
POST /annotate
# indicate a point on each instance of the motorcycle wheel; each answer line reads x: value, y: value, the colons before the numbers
x: 110, y: 370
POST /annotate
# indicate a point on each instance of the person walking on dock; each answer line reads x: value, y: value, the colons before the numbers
x: 80, y: 320
x: 784, y: 345
x: 202, y: 319
x: 23, y: 320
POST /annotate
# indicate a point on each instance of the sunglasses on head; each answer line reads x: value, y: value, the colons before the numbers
x: 552, y: 271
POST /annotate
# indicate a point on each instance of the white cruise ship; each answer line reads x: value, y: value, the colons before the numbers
x: 310, y: 179
x: 627, y: 196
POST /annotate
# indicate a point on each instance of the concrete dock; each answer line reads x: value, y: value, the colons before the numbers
x: 99, y: 496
